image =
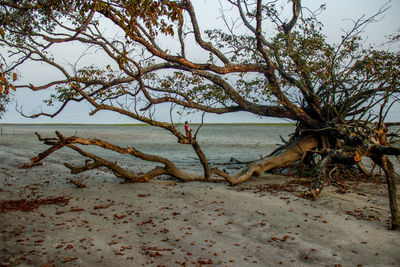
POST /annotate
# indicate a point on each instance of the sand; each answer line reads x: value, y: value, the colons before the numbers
x: 167, y: 223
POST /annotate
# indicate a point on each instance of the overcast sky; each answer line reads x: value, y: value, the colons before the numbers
x: 335, y: 18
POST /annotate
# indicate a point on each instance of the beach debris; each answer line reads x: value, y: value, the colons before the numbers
x: 77, y: 183
x: 144, y: 195
x: 154, y: 251
x: 31, y: 164
x: 30, y: 205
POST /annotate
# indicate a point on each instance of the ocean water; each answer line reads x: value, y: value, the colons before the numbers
x: 220, y: 143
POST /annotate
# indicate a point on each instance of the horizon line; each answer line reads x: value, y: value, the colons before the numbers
x: 145, y: 124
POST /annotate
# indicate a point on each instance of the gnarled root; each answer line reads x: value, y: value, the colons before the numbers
x: 320, y: 179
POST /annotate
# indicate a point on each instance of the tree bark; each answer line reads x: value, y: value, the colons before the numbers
x: 320, y: 179
x: 203, y: 159
x: 387, y: 166
x: 292, y: 153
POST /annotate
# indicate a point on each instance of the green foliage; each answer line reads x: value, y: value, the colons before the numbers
x: 192, y: 87
x: 240, y: 48
x: 288, y: 64
x: 38, y: 15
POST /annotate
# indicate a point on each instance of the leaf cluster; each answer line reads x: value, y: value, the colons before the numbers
x: 191, y: 87
x: 241, y: 49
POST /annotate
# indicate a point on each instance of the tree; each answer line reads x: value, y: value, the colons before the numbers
x: 338, y: 94
x: 5, y: 83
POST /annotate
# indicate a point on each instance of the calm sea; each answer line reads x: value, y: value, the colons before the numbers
x: 219, y: 142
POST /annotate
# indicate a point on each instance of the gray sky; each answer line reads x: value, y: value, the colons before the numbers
x: 335, y: 18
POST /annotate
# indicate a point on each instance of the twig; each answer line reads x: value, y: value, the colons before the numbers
x: 77, y: 183
x: 30, y: 165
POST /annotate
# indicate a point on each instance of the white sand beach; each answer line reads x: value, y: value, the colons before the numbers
x: 168, y: 223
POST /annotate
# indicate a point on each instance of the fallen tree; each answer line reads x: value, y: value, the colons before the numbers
x: 338, y: 94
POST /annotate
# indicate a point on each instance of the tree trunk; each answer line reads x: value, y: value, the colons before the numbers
x: 292, y: 153
x: 387, y: 166
x: 203, y: 160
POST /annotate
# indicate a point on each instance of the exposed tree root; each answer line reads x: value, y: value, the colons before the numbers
x: 363, y: 169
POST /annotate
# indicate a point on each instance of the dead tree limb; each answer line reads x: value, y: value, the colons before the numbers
x: 291, y: 154
x: 169, y: 168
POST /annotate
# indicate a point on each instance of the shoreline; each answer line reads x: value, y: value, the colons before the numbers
x: 144, y: 124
